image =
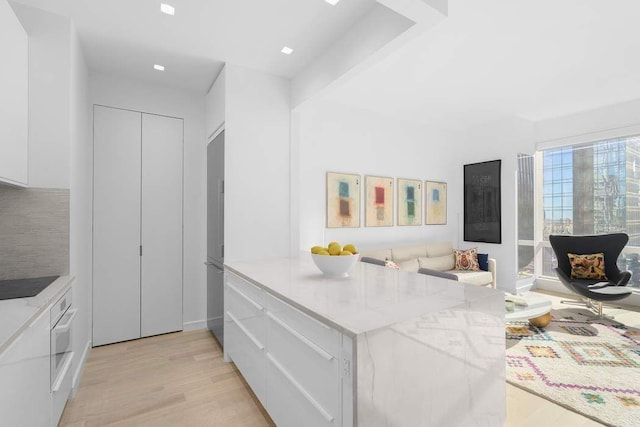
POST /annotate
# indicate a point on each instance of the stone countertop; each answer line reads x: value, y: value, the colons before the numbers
x: 372, y: 297
x: 17, y: 314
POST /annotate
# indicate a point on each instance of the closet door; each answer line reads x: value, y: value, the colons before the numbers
x: 162, y: 148
x: 116, y: 225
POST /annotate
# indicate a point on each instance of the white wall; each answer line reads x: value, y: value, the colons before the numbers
x: 257, y: 130
x: 215, y: 105
x: 499, y: 140
x: 49, y: 103
x: 80, y: 199
x: 139, y: 96
x: 329, y: 137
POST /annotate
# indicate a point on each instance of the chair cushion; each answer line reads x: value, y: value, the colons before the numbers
x: 377, y: 254
x: 373, y: 260
x: 473, y: 277
x: 587, y: 266
x: 466, y: 259
x: 437, y: 273
x: 439, y: 263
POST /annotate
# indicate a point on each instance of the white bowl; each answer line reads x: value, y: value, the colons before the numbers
x: 335, y: 266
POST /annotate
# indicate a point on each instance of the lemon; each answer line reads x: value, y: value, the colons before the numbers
x: 316, y: 249
x: 335, y: 248
x: 345, y: 253
x: 334, y: 243
x: 351, y: 248
x: 322, y: 252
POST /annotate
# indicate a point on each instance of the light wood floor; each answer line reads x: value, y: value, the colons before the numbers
x: 180, y: 379
x: 176, y: 379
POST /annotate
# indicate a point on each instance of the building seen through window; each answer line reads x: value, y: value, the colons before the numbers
x: 590, y: 189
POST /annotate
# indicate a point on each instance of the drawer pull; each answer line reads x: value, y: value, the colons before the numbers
x: 327, y: 416
x: 245, y: 330
x: 245, y: 296
x: 301, y: 337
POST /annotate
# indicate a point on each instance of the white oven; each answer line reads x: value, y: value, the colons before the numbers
x: 62, y: 316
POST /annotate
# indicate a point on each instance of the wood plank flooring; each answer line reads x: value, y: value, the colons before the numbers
x: 177, y: 379
x: 180, y: 379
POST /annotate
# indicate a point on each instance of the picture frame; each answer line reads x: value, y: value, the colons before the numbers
x: 378, y: 201
x: 343, y: 200
x: 482, y: 202
x: 435, y: 212
x: 409, y: 201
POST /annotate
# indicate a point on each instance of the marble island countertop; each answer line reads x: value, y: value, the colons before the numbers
x: 372, y: 297
x: 17, y: 314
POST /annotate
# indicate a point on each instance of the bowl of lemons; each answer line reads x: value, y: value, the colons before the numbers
x: 334, y: 260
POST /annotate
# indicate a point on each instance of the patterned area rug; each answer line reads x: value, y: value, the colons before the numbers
x: 591, y: 366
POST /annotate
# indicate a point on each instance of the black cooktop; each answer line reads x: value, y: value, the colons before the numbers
x: 22, y: 288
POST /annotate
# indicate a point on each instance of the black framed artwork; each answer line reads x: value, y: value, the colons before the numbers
x: 482, y: 202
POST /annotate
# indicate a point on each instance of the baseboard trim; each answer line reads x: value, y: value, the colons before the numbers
x: 79, y: 369
x: 196, y: 324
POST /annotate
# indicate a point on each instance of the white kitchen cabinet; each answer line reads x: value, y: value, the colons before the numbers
x: 245, y: 332
x: 24, y: 370
x: 14, y: 84
x: 291, y: 361
x: 214, y: 106
x: 137, y: 230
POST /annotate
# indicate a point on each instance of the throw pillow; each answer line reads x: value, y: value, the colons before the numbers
x: 483, y: 262
x: 466, y: 259
x: 587, y: 266
x: 391, y: 264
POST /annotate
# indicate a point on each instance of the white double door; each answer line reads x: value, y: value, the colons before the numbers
x: 137, y: 224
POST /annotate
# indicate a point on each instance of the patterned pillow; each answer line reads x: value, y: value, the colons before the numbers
x: 587, y: 266
x: 391, y: 264
x: 466, y: 259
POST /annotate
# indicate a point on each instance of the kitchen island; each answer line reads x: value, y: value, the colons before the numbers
x: 382, y: 347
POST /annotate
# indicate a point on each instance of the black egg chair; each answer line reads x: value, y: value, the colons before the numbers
x: 595, y: 291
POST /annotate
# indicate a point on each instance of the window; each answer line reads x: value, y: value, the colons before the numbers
x: 592, y: 188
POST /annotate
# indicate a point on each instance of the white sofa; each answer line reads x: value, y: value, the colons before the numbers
x: 434, y: 256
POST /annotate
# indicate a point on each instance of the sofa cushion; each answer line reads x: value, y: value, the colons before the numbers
x: 382, y: 254
x: 483, y: 262
x: 439, y: 249
x: 473, y: 277
x: 437, y: 273
x: 409, y: 265
x: 406, y: 253
x: 466, y: 259
x: 440, y: 263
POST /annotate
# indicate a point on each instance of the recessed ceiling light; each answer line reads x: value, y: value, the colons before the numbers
x: 158, y: 67
x: 332, y: 2
x: 168, y: 9
x: 287, y: 50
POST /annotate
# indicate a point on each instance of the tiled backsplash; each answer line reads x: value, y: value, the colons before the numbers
x: 34, y: 232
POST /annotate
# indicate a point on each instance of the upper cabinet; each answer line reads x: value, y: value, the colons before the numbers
x: 215, y: 107
x: 14, y: 93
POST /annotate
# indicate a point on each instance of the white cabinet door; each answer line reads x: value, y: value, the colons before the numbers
x: 116, y: 225
x: 14, y: 84
x: 161, y: 277
x: 24, y: 369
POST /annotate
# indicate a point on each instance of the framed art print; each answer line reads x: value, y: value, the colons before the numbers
x: 482, y: 202
x: 378, y: 201
x: 435, y: 203
x: 409, y: 202
x: 343, y: 200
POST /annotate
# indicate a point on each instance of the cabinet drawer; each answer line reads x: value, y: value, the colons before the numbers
x: 289, y: 403
x: 312, y: 369
x: 325, y: 337
x: 244, y: 287
x: 247, y: 312
x: 247, y: 353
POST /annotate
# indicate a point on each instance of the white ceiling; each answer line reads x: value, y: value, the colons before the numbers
x: 495, y: 58
x: 126, y: 37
